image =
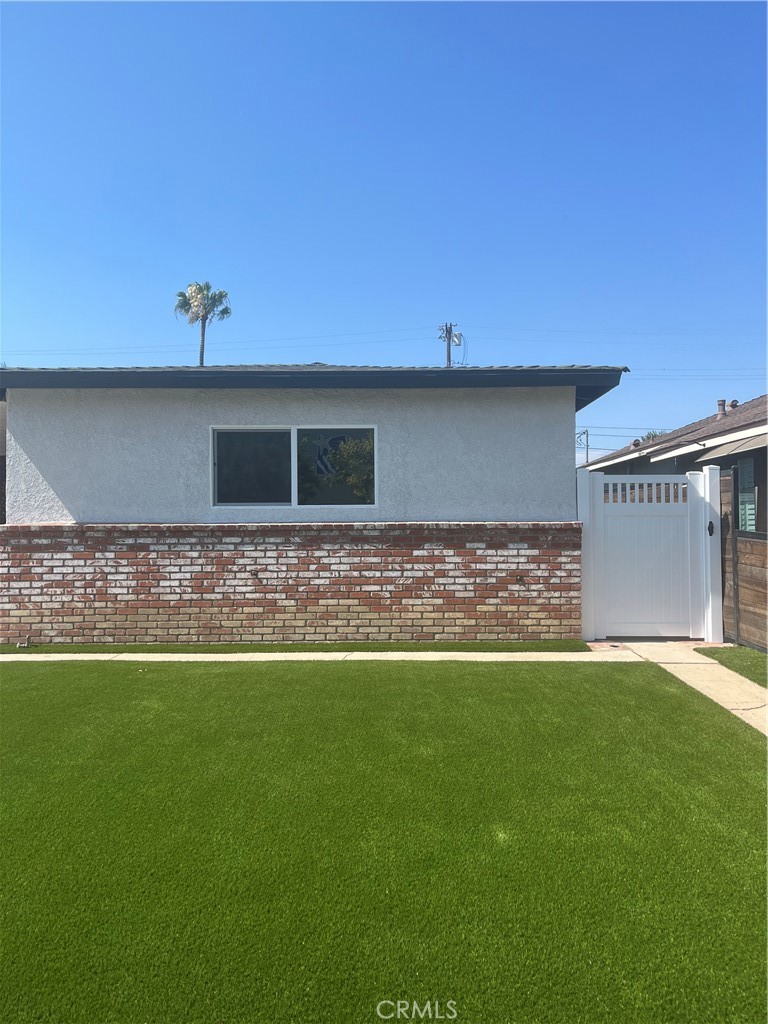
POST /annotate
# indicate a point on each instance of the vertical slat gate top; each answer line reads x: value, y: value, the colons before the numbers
x: 631, y: 491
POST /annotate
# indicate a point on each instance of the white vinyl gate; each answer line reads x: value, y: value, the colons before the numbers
x: 651, y: 555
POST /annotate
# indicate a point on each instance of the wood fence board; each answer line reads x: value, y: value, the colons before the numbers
x: 749, y: 576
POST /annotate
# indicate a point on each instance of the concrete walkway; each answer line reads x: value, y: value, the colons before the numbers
x: 740, y: 696
x: 618, y: 654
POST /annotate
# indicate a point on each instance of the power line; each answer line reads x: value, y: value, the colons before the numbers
x: 348, y: 334
x: 229, y: 344
x: 264, y: 344
x: 726, y: 332
x: 274, y: 342
x: 642, y: 378
x: 712, y: 369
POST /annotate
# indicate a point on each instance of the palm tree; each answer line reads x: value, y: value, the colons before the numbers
x: 651, y: 435
x: 201, y: 305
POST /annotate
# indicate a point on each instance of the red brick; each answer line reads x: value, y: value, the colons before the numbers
x: 250, y: 582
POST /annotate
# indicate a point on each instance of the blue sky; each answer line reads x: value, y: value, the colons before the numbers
x: 570, y: 183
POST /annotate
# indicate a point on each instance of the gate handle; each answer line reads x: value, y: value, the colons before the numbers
x: 711, y: 528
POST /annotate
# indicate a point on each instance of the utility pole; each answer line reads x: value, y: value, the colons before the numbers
x: 582, y: 441
x: 446, y: 334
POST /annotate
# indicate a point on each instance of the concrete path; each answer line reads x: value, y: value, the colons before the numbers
x: 619, y: 654
x: 740, y: 696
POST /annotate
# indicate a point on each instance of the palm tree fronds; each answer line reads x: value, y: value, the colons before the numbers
x: 199, y: 304
x: 183, y: 305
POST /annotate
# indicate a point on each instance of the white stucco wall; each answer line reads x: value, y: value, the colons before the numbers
x: 117, y: 456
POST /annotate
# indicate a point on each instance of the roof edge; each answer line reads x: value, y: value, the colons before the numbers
x: 590, y: 382
x: 704, y: 433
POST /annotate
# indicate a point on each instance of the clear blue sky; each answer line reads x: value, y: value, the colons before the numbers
x: 570, y: 183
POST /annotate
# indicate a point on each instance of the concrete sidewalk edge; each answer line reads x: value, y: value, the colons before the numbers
x: 266, y: 656
x: 743, y: 698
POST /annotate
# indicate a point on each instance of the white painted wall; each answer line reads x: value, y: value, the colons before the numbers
x: 116, y: 456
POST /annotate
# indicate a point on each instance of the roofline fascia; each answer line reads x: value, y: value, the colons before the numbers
x: 626, y: 457
x: 589, y: 383
x: 710, y: 442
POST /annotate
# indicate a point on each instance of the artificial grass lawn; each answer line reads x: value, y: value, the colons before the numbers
x: 295, y: 842
x: 382, y: 645
x: 748, y: 663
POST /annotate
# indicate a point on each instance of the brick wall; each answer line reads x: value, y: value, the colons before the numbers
x: 380, y: 581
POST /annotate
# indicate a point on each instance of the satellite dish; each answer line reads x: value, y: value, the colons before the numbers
x: 457, y: 338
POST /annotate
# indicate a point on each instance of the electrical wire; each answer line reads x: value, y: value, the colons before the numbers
x: 240, y: 345
x: 725, y: 333
x: 268, y: 343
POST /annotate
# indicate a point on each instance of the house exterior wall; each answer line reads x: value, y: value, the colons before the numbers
x: 311, y: 582
x: 144, y: 455
x: 3, y: 423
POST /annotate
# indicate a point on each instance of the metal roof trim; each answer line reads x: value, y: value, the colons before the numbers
x: 590, y: 382
x: 749, y: 444
x: 708, y: 442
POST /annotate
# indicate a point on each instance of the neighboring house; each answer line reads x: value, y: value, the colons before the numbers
x: 736, y: 435
x: 295, y: 502
x: 735, y: 439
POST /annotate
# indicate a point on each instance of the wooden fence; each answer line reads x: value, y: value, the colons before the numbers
x: 745, y: 573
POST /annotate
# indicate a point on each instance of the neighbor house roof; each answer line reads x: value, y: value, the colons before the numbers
x: 590, y: 382
x: 735, y: 425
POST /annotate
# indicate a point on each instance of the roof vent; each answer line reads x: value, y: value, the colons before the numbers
x: 636, y: 443
x: 733, y: 403
x: 720, y: 408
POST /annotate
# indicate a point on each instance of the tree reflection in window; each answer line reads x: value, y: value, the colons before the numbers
x: 336, y: 466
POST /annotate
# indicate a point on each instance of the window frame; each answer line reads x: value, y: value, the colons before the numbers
x: 294, y: 432
x: 741, y: 495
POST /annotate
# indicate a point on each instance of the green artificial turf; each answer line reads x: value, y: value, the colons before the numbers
x: 748, y: 663
x: 383, y: 645
x: 294, y: 843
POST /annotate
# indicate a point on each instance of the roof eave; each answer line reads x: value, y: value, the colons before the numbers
x: 610, y: 460
x: 590, y: 383
x: 709, y: 442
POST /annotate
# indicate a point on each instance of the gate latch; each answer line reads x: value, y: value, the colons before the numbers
x: 711, y: 528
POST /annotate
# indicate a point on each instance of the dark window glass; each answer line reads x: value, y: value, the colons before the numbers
x: 336, y: 466
x: 253, y: 467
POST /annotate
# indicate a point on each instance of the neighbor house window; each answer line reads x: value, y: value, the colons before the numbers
x: 747, y: 495
x: 294, y: 466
